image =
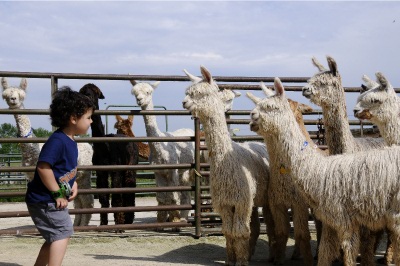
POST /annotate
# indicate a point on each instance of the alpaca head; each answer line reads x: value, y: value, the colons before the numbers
x: 324, y: 87
x: 227, y: 97
x: 14, y: 96
x: 202, y: 96
x: 143, y: 92
x: 270, y: 112
x: 93, y: 92
x: 124, y: 126
x: 378, y: 101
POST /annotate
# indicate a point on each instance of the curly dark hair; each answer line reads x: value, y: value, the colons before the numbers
x: 67, y: 103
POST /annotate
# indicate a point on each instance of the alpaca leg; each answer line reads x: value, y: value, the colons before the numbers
x: 128, y: 199
x: 88, y: 203
x: 116, y: 198
x: 104, y: 199
x: 254, y: 230
x: 318, y: 228
x: 350, y: 240
x: 86, y: 200
x: 226, y: 213
x: 329, y: 246
x: 394, y: 234
x: 302, y: 233
x: 185, y: 196
x: 230, y: 252
x: 161, y: 197
x: 241, y: 246
x: 388, y: 258
x: 270, y: 232
x: 282, y: 226
x: 369, y: 240
x: 241, y: 232
x: 174, y: 216
x: 78, y: 205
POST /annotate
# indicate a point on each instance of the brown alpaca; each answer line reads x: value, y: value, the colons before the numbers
x: 124, y: 126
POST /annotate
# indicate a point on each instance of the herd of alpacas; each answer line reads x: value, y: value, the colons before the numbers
x: 352, y: 189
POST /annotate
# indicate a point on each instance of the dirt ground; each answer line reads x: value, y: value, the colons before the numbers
x: 134, y: 247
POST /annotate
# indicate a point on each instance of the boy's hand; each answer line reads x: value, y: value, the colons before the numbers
x: 61, y: 203
x: 74, y: 192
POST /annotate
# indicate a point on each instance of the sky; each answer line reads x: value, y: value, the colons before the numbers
x: 230, y: 38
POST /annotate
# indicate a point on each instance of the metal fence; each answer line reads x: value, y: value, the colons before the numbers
x: 201, y: 217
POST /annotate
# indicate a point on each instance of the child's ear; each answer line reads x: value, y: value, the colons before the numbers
x: 73, y: 119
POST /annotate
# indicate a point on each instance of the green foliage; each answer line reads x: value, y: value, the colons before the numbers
x: 10, y: 131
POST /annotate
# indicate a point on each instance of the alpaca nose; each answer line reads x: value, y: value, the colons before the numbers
x: 355, y: 111
x: 13, y: 98
x: 305, y: 91
x: 254, y: 115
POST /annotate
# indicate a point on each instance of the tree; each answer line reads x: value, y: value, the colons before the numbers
x: 9, y: 131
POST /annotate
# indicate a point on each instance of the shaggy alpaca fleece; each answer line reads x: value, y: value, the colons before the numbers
x: 239, y: 172
x: 325, y: 90
x: 166, y: 153
x: 346, y: 191
x: 381, y: 105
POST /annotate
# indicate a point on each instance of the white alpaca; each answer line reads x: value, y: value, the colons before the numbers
x: 15, y: 96
x: 238, y: 172
x: 325, y: 90
x: 166, y: 153
x: 381, y: 105
x: 346, y: 191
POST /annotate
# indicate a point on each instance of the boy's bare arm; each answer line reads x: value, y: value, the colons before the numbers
x: 47, y: 176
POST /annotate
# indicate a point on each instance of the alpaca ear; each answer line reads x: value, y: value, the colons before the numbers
x: 155, y: 84
x: 24, y: 84
x: 255, y: 99
x: 237, y: 94
x: 363, y: 88
x: 370, y: 84
x: 266, y: 91
x: 118, y: 117
x: 280, y: 90
x: 130, y: 118
x: 320, y: 67
x: 133, y: 82
x: 382, y: 80
x: 193, y: 78
x: 206, y: 75
x: 4, y: 83
x: 332, y: 65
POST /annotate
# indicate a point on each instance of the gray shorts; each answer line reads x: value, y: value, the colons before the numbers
x: 53, y: 224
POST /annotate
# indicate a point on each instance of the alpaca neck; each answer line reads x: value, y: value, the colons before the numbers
x: 23, y: 125
x: 338, y: 134
x: 297, y: 155
x: 390, y: 130
x: 97, y: 126
x: 217, y: 136
x: 150, y: 122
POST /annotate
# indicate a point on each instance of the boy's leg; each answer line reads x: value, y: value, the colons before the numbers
x: 57, y: 251
x: 52, y: 254
x: 43, y: 257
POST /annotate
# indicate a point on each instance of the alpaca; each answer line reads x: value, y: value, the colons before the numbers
x: 346, y: 191
x: 239, y: 172
x: 113, y: 153
x: 325, y: 90
x: 380, y: 104
x: 15, y: 96
x: 124, y: 127
x: 166, y: 153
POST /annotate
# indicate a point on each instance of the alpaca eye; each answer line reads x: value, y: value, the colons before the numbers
x: 375, y: 101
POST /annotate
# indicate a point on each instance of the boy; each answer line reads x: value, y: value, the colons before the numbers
x: 53, y: 185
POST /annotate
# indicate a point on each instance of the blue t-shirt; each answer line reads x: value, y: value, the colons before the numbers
x: 61, y: 153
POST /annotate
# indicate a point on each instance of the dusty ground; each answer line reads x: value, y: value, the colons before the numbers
x: 144, y: 247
